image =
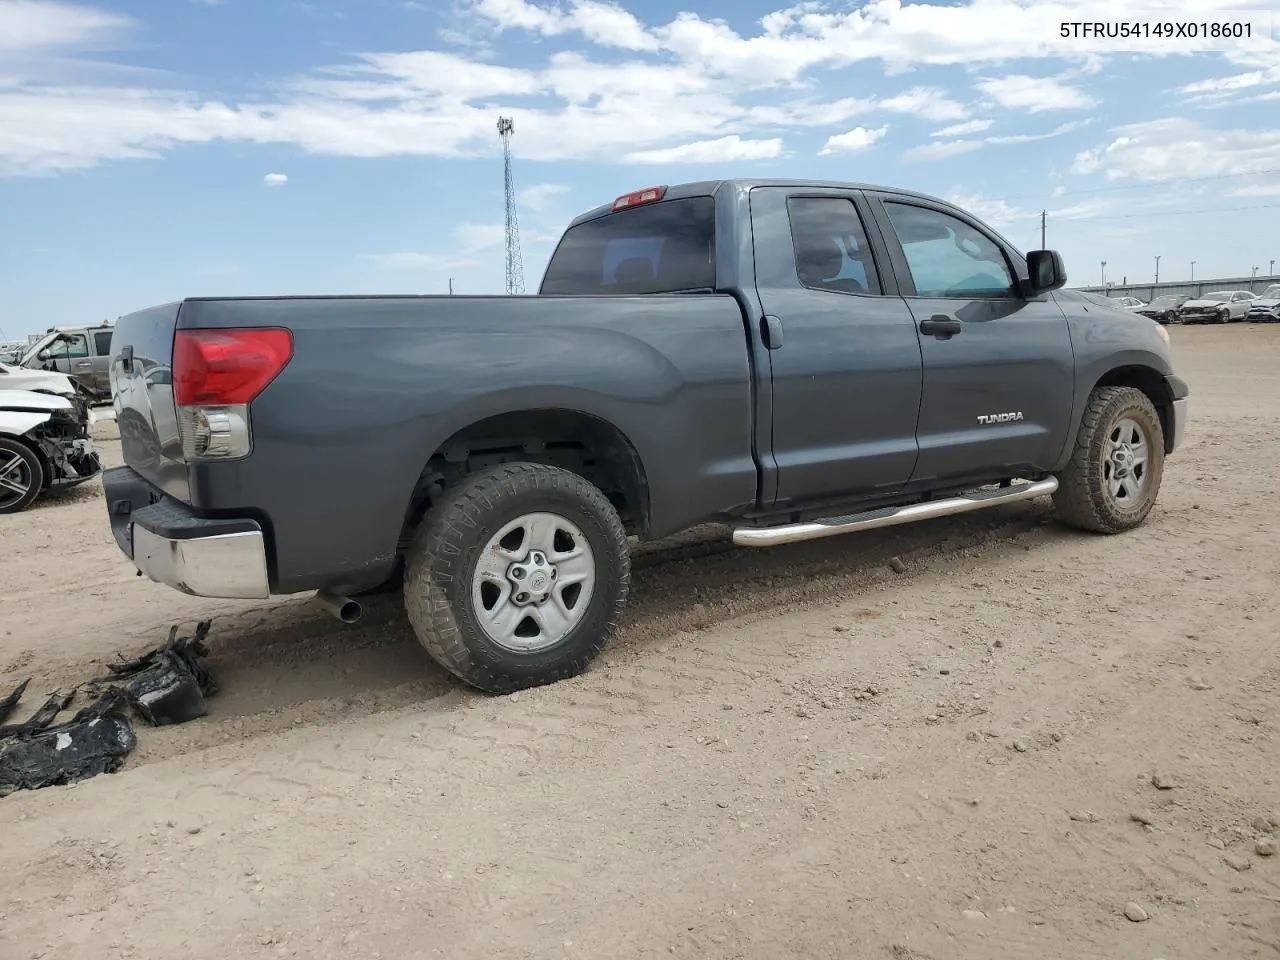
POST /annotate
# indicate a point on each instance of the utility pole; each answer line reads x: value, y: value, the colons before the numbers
x: 1157, y: 269
x: 1104, y: 277
x: 1271, y: 269
x: 1193, y: 269
x: 451, y: 286
x: 1043, y: 215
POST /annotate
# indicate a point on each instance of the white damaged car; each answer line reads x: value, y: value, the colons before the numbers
x: 44, y: 436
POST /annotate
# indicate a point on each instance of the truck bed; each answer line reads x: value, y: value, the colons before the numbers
x: 377, y: 385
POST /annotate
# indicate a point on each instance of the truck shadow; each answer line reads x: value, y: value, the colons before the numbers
x: 291, y: 664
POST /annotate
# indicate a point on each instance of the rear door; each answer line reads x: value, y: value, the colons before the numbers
x: 998, y: 367
x: 843, y: 352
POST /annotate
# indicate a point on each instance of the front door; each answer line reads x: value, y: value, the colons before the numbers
x: 999, y: 370
x: 845, y: 362
x: 70, y: 355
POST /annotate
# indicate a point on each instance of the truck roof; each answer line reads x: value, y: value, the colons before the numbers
x: 702, y: 188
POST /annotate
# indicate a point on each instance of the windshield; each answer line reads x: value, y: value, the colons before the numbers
x: 1167, y: 301
x: 660, y: 248
x: 1272, y: 292
x: 1215, y: 297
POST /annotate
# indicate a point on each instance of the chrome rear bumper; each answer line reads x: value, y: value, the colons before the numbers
x: 230, y: 565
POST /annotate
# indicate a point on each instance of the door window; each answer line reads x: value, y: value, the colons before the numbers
x: 74, y: 347
x: 830, y: 245
x: 947, y: 257
x: 102, y: 343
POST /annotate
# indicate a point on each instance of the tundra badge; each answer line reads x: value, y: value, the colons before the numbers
x: 1000, y: 417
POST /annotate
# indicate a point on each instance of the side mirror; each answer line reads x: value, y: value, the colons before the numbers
x: 43, y: 356
x: 1045, y: 271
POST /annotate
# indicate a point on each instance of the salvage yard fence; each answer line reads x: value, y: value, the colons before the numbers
x: 1149, y: 291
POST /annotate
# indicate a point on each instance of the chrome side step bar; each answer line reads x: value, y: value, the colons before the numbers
x: 890, y: 516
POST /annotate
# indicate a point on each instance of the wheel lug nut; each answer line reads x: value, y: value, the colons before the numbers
x: 518, y: 573
x: 521, y: 597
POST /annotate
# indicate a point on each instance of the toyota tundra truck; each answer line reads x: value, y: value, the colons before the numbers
x: 795, y: 359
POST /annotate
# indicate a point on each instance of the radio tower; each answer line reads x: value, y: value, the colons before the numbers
x: 515, y: 263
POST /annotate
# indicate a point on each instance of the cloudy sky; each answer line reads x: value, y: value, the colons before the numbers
x: 154, y: 149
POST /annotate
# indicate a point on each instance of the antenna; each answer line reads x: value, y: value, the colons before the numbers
x: 515, y: 263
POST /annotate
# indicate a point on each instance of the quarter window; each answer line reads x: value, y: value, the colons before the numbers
x: 102, y: 343
x: 947, y: 257
x: 830, y: 245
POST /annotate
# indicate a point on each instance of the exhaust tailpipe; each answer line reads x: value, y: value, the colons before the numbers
x: 344, y: 608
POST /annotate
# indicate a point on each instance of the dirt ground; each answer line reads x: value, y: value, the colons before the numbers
x: 795, y: 752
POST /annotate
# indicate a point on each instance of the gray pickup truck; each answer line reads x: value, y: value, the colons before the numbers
x: 796, y: 359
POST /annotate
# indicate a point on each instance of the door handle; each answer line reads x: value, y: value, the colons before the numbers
x: 84, y: 363
x: 941, y: 326
x: 771, y: 332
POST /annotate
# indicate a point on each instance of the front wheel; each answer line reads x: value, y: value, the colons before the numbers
x: 517, y: 577
x: 1113, y: 477
x: 21, y: 475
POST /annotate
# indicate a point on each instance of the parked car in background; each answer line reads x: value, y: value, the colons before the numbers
x: 1221, y: 306
x: 82, y: 353
x: 1265, y: 308
x: 44, y: 436
x: 1162, y: 309
x: 1129, y: 303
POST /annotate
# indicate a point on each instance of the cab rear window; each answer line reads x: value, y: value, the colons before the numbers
x: 666, y: 247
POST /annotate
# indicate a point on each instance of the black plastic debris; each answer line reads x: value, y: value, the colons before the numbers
x: 11, y: 701
x: 48, y: 711
x: 96, y: 740
x: 169, y: 684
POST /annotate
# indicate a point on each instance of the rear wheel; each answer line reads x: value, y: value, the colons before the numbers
x: 1113, y: 478
x: 516, y: 578
x: 21, y: 475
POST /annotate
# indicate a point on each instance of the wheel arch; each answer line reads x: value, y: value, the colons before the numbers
x: 564, y: 436
x: 1152, y: 383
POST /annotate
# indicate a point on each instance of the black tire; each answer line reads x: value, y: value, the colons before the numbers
x: 27, y: 471
x: 442, y: 561
x: 1083, y: 498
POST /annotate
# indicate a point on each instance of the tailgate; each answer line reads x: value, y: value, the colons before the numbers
x: 142, y: 392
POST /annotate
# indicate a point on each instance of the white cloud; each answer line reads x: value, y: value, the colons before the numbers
x: 469, y: 241
x: 37, y: 26
x: 1175, y: 148
x: 859, y: 138
x: 1057, y: 131
x: 539, y: 196
x: 942, y: 148
x: 962, y: 129
x: 928, y: 102
x: 1034, y: 94
x: 1258, y: 190
x: 691, y: 87
x: 722, y: 150
x: 275, y: 179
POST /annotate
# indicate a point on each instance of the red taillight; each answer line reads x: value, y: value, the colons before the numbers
x: 639, y: 197
x: 225, y: 367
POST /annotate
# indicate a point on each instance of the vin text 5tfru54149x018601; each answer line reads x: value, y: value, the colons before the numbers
x: 797, y: 359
